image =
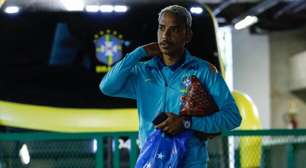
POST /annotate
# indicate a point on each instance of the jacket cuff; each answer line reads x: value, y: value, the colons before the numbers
x: 140, y: 51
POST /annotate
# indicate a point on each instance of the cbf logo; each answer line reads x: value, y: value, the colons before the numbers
x: 108, y: 49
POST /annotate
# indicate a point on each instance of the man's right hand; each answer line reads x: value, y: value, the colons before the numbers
x: 152, y: 49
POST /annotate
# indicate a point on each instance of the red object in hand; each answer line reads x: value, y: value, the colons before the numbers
x: 198, y: 101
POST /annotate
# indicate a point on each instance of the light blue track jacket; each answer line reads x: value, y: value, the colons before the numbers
x: 144, y: 81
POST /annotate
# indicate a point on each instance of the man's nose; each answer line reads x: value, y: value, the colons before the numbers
x: 166, y: 34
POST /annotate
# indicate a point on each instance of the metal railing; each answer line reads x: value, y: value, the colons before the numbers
x: 252, y: 148
x: 279, y: 148
x: 97, y: 150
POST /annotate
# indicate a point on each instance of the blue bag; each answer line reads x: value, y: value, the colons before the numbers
x: 163, y: 151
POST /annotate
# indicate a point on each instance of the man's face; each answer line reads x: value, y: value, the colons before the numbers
x: 172, y: 34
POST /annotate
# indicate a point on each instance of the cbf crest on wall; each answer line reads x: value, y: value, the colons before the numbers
x: 108, y: 49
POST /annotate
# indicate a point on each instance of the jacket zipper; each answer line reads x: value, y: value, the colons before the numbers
x: 175, y: 73
x: 166, y: 90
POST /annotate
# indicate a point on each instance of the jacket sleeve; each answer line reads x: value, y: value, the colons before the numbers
x: 228, y: 116
x: 120, y: 81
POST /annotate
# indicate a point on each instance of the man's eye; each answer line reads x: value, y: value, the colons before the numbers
x: 161, y: 28
x: 175, y: 30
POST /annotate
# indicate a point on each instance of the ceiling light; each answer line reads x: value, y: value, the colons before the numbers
x: 73, y: 5
x: 11, y: 9
x: 92, y: 8
x: 196, y: 10
x: 120, y: 8
x: 106, y: 8
x: 246, y: 22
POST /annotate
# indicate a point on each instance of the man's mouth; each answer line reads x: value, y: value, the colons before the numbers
x: 165, y: 44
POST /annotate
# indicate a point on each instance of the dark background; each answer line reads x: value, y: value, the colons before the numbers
x: 26, y: 76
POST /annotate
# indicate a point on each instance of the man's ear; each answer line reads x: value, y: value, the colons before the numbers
x: 189, y: 36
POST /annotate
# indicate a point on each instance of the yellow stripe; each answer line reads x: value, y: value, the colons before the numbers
x: 67, y: 119
x: 109, y: 59
x: 215, y: 25
x: 2, y: 2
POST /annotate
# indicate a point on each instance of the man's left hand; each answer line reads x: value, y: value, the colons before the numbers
x: 172, y: 125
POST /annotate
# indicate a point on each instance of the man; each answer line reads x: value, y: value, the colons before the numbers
x: 157, y: 85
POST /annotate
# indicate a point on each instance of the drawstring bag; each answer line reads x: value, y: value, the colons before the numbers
x: 163, y: 151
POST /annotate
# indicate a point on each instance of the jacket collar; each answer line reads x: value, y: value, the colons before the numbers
x: 156, y: 61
